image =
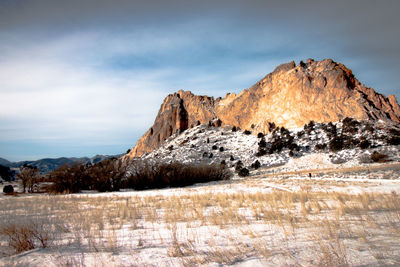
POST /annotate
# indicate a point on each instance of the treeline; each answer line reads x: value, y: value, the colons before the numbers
x: 115, y: 174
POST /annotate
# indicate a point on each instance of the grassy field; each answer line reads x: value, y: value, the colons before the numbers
x: 252, y: 221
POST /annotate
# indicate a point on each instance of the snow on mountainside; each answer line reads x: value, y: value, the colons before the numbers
x: 315, y: 146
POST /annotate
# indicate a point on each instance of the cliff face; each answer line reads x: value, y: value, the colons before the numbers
x: 290, y: 96
x: 178, y: 112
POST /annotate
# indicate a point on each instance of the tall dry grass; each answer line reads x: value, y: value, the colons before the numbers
x: 304, y: 228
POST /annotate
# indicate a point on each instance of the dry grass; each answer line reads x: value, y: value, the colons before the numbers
x: 284, y: 228
x: 25, y: 236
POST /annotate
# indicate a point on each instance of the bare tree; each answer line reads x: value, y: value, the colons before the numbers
x: 28, y: 177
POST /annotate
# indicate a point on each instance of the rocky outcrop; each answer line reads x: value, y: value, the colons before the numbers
x: 290, y: 96
x: 178, y: 112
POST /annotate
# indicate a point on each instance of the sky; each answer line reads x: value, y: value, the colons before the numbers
x: 86, y: 77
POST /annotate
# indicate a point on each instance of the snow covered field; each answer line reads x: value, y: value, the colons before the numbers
x: 333, y: 220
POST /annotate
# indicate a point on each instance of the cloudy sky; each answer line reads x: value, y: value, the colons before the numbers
x: 79, y: 78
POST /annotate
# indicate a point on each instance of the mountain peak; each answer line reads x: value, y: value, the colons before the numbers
x: 290, y: 96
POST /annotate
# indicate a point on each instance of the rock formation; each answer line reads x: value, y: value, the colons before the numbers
x: 178, y: 112
x: 290, y: 96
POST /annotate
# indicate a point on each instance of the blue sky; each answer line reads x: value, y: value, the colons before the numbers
x: 79, y: 78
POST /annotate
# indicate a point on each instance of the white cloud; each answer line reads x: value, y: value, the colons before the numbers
x: 43, y: 95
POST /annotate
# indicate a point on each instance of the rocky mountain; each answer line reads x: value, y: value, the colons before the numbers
x: 290, y: 96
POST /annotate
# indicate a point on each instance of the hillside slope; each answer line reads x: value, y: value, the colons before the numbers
x: 335, y: 145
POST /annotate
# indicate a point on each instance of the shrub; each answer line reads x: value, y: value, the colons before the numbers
x: 261, y: 152
x: 214, y: 147
x: 238, y: 166
x: 349, y: 142
x: 147, y: 175
x: 217, y: 123
x: 336, y: 144
x: 208, y: 140
x: 244, y: 172
x: 393, y: 140
x: 368, y: 127
x: 8, y: 189
x: 393, y: 137
x: 379, y: 157
x: 221, y: 149
x: 300, y: 134
x: 25, y: 236
x: 394, y: 132
x: 260, y: 135
x: 291, y: 154
x: 364, y: 144
x: 280, y: 143
x: 350, y: 125
x: 294, y: 146
x: 6, y: 173
x: 284, y: 131
x: 262, y: 142
x: 309, y: 127
x: 285, y: 140
x: 247, y: 132
x: 256, y: 165
x: 271, y: 126
x: 234, y: 129
x: 211, y: 155
x: 320, y: 146
x: 331, y: 129
x: 231, y: 158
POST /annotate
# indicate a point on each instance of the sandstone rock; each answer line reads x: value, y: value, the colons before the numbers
x: 290, y: 96
x: 178, y: 112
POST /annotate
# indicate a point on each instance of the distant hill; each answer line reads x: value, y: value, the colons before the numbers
x: 98, y: 158
x: 47, y: 165
x: 4, y: 162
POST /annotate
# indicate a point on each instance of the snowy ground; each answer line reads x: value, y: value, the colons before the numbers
x: 280, y: 220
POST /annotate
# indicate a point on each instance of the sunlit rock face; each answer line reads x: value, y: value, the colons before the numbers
x: 290, y: 96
